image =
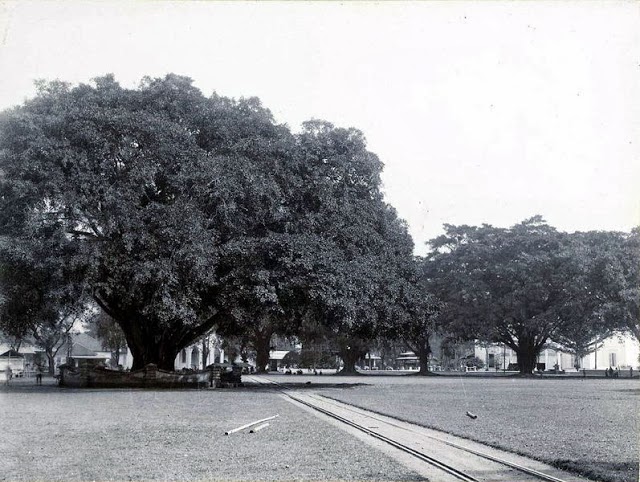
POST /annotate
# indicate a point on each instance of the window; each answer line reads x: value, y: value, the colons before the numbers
x: 612, y: 360
x: 183, y: 356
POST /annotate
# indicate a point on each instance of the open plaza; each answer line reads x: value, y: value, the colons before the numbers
x: 319, y: 241
x: 49, y: 433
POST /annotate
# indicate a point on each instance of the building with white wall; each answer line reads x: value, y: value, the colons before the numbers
x: 617, y: 351
x: 189, y: 357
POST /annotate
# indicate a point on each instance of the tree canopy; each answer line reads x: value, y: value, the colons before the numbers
x: 184, y: 212
x: 507, y: 285
x: 177, y: 213
x: 615, y: 279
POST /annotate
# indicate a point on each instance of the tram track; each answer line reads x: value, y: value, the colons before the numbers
x: 451, y: 459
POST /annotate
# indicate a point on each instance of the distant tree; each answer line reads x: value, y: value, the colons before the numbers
x: 506, y: 285
x: 419, y: 328
x: 236, y: 347
x: 110, y: 335
x: 453, y: 350
x: 414, y: 319
x: 586, y: 325
x: 42, y: 294
x: 318, y: 347
x: 388, y: 349
x: 292, y: 359
x: 617, y: 272
x: 209, y: 343
x: 51, y: 336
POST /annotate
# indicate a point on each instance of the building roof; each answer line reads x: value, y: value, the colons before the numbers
x: 12, y: 354
x: 407, y: 356
x: 84, y: 346
x: 87, y: 342
x: 27, y: 346
x: 278, y: 354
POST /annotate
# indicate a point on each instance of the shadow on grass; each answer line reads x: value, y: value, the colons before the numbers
x: 29, y: 387
x: 247, y: 387
x: 630, y: 390
x: 296, y: 386
x: 606, y: 471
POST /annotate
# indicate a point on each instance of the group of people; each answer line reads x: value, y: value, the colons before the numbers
x: 9, y: 375
x: 611, y: 373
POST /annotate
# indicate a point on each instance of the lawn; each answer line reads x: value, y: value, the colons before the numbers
x: 590, y: 426
x: 50, y: 433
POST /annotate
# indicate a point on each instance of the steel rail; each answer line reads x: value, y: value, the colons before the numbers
x: 513, y: 465
x: 424, y: 457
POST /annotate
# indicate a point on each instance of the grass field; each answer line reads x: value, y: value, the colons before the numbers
x: 57, y: 434
x: 61, y: 434
x: 590, y: 426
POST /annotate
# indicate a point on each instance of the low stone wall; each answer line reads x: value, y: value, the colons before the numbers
x: 87, y: 376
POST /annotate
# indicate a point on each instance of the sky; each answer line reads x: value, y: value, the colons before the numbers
x: 482, y: 112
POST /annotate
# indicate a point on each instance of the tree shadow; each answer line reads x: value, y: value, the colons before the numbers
x: 607, y: 471
x: 296, y: 386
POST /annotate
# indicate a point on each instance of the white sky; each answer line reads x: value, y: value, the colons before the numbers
x: 481, y: 112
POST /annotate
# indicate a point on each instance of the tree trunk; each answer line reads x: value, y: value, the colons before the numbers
x: 205, y: 352
x: 52, y: 362
x: 151, y: 341
x: 423, y: 357
x: 527, y: 357
x: 262, y: 345
x: 422, y: 349
x: 350, y: 357
x: 162, y: 354
x: 351, y: 350
x: 147, y: 346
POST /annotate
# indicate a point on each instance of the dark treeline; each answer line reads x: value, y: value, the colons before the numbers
x: 174, y: 214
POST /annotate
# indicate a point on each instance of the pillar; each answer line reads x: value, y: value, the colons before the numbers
x: 546, y: 359
x: 187, y: 362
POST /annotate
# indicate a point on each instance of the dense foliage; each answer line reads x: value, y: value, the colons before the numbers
x: 178, y: 213
x: 516, y: 286
x: 184, y: 212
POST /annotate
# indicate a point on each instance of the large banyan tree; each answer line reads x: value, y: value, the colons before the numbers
x: 516, y: 286
x: 181, y: 212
